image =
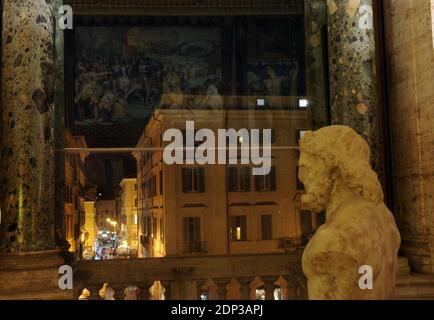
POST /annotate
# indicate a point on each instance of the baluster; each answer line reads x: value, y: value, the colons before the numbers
x: 144, y: 289
x: 166, y: 285
x: 269, y: 287
x: 94, y: 291
x: 199, y: 285
x: 80, y: 295
x: 296, y: 288
x: 119, y: 290
x: 245, y: 287
x: 132, y: 292
x: 221, y: 288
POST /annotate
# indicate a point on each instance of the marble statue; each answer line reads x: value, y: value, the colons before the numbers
x: 359, y: 230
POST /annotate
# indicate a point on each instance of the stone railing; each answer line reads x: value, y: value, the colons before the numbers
x: 190, y: 278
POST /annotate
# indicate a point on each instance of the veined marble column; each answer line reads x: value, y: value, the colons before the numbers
x: 29, y: 262
x: 315, y: 25
x: 27, y: 151
x: 353, y: 93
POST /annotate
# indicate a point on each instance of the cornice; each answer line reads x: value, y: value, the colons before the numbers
x: 185, y: 7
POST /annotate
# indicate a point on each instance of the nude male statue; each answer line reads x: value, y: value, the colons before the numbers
x: 359, y: 229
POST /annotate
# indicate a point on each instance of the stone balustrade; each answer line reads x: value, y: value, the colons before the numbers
x: 236, y: 277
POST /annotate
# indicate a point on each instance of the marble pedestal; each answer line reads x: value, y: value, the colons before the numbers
x: 32, y: 276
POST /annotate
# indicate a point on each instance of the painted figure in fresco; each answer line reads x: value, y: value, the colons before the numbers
x: 95, y: 101
x: 124, y: 80
x: 212, y: 98
x: 359, y: 230
x: 273, y: 85
x: 88, y: 91
x: 144, y: 68
x: 293, y: 79
x: 105, y: 107
x: 173, y: 95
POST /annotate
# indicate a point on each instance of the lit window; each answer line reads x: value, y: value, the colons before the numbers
x: 239, y: 228
x: 303, y: 103
x: 260, y: 102
x: 238, y: 233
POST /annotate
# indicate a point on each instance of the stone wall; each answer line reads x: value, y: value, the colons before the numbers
x: 410, y: 56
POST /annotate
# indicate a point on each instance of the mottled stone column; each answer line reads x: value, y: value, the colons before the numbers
x: 27, y: 150
x: 316, y: 64
x: 59, y: 124
x: 353, y: 94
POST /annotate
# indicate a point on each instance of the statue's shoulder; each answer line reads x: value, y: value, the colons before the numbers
x: 357, y: 209
x: 359, y: 219
x: 347, y: 228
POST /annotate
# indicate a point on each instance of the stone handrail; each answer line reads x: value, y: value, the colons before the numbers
x: 125, y: 272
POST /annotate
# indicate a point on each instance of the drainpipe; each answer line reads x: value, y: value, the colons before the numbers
x: 141, y: 177
x: 161, y: 143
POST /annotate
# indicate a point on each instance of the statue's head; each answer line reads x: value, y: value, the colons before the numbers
x: 333, y: 154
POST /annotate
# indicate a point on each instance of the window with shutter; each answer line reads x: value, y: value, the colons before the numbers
x: 232, y: 180
x: 161, y: 182
x: 192, y: 235
x: 266, y: 227
x: 186, y: 180
x: 239, y: 179
x: 266, y: 183
x: 193, y: 180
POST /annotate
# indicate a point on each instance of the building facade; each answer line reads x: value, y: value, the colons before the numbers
x: 77, y: 191
x: 90, y: 232
x: 128, y: 214
x: 105, y: 212
x: 223, y: 209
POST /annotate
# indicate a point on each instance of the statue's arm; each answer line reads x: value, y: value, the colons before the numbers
x: 332, y: 276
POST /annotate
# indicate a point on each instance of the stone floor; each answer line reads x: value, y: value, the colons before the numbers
x: 412, y: 286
